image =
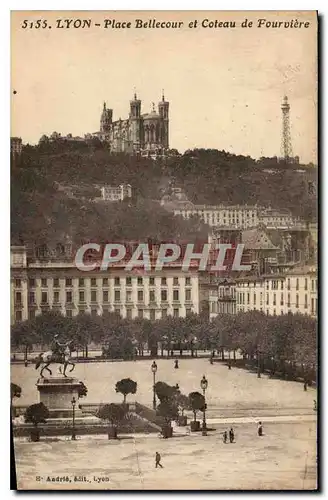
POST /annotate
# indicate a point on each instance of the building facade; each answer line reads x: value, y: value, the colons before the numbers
x: 39, y: 286
x: 113, y: 193
x: 147, y: 134
x: 16, y: 146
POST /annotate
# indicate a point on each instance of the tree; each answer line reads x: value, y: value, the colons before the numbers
x: 126, y: 386
x: 15, y: 392
x: 114, y: 413
x: 197, y: 403
x: 36, y: 414
x: 165, y: 392
x: 82, y: 390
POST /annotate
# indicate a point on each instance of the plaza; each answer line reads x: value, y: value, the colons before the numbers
x: 284, y: 458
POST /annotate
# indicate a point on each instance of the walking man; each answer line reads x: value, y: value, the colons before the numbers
x: 158, y: 460
x: 225, y: 436
x: 231, y: 435
x: 260, y: 429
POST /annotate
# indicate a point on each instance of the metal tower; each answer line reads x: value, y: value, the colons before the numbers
x: 286, y: 141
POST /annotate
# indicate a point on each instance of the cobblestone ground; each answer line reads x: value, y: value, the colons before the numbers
x: 284, y: 458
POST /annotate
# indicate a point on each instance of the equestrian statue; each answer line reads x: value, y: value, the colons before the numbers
x: 59, y: 353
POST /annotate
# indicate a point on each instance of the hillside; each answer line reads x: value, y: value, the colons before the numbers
x: 52, y: 188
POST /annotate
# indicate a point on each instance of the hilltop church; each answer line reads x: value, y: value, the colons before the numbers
x: 146, y: 134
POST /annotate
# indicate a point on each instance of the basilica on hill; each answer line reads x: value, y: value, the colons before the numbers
x: 146, y: 134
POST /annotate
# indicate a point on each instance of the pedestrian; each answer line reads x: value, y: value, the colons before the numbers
x: 225, y: 436
x: 231, y: 435
x: 260, y: 429
x: 176, y: 364
x: 305, y: 386
x: 158, y: 460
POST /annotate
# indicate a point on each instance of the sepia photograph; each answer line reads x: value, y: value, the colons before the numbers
x: 164, y: 250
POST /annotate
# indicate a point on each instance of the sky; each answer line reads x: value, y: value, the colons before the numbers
x: 225, y: 86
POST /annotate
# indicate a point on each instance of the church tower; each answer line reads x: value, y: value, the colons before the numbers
x: 106, y: 119
x: 163, y: 111
x: 135, y: 120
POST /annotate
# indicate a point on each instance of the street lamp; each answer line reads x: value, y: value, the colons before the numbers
x: 73, y: 422
x: 204, y: 384
x: 154, y: 370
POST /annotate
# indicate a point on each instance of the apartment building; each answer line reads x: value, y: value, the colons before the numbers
x: 292, y: 292
x: 222, y: 300
x: 39, y: 286
x: 239, y: 217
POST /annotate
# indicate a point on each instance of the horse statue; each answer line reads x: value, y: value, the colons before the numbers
x: 48, y: 357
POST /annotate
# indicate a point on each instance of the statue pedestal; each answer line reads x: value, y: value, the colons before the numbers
x: 56, y: 393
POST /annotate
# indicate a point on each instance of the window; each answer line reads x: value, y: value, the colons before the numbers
x: 117, y: 295
x: 175, y: 281
x: 305, y: 301
x: 18, y: 298
x: 254, y: 298
x: 69, y: 313
x: 188, y: 295
x: 305, y: 284
x: 81, y: 281
x: 261, y: 298
x: 151, y: 281
x: 128, y: 281
x: 140, y: 295
x: 281, y: 284
x: 267, y: 299
x: 44, y: 297
x: 56, y: 297
x: 68, y: 282
x: 188, y: 281
x: 152, y: 296
x: 282, y: 299
x: 152, y: 315
x: 163, y: 281
x: 129, y: 296
x: 274, y: 299
x: 31, y: 313
x: 81, y: 296
x: 31, y: 282
x: 288, y: 300
x: 163, y: 295
x: 93, y: 296
x: 93, y: 281
x: 288, y: 283
x: 312, y: 306
x: 188, y: 311
x: 105, y: 295
x: 18, y: 315
x: 69, y: 297
x: 18, y: 283
x: 175, y: 313
x: 105, y: 281
x: 297, y: 300
x: 248, y: 298
x: 43, y: 281
x: 176, y: 295
x: 31, y: 298
x: 56, y: 282
x: 267, y: 285
x: 297, y: 284
x: 164, y: 313
x: 312, y: 285
x: 129, y: 313
x: 139, y: 281
x: 140, y: 313
x: 274, y: 312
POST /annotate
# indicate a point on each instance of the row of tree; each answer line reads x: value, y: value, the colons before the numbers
x: 291, y: 337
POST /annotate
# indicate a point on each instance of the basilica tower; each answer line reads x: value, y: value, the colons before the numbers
x: 135, y: 120
x: 163, y: 111
x: 106, y: 119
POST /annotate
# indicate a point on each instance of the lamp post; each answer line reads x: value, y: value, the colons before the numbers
x: 154, y: 370
x: 73, y: 422
x: 204, y: 384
